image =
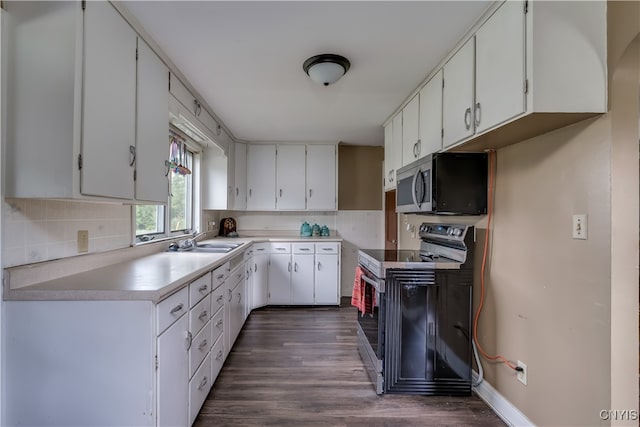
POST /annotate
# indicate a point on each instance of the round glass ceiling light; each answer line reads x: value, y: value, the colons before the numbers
x: 327, y: 68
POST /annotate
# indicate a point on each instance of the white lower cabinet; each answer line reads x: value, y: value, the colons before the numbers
x: 260, y: 275
x: 327, y: 274
x: 199, y: 387
x: 302, y: 273
x: 173, y: 374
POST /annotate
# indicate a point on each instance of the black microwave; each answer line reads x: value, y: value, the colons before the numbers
x: 444, y: 184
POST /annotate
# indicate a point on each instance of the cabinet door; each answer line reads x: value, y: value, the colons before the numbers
x: 388, y: 157
x: 290, y: 172
x: 260, y: 276
x: 410, y: 131
x: 261, y: 177
x: 109, y: 103
x: 500, y: 73
x: 326, y: 279
x: 240, y: 175
x: 152, y: 130
x: 321, y: 177
x: 396, y: 147
x: 458, y: 91
x: 173, y: 374
x: 302, y: 279
x: 280, y: 279
x: 430, y: 139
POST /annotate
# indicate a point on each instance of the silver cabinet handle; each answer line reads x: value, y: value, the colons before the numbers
x: 219, y: 323
x: 255, y: 268
x: 418, y: 147
x: 250, y: 192
x: 202, y: 345
x: 203, y: 383
x: 415, y: 150
x: 304, y: 249
x: 230, y: 294
x: 220, y: 276
x: 177, y: 308
x: 310, y: 192
x: 319, y: 265
x: 476, y: 113
x: 203, y: 315
x: 295, y: 267
x: 189, y: 340
x: 220, y: 298
x: 237, y: 191
x: 132, y: 155
x: 239, y: 297
x: 289, y: 268
x: 281, y: 192
x: 219, y: 356
x: 281, y: 249
x: 467, y: 118
x: 203, y: 288
x: 327, y: 249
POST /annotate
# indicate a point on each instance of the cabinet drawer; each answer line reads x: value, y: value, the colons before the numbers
x: 261, y: 248
x: 280, y: 248
x: 200, y: 315
x: 171, y: 309
x: 200, y: 346
x: 219, y: 275
x: 248, y: 253
x: 327, y: 248
x: 217, y: 358
x: 217, y: 299
x: 217, y: 324
x: 199, y: 288
x: 303, y: 248
x: 199, y: 387
x: 237, y: 275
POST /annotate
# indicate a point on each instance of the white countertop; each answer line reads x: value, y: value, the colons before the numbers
x: 152, y: 277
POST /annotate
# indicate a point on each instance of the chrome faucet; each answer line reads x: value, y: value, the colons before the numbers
x: 193, y: 241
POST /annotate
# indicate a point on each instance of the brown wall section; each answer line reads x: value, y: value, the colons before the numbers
x: 359, y: 177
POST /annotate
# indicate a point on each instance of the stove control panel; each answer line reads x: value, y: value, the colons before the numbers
x: 443, y: 231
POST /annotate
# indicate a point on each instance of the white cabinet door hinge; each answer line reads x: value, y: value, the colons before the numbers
x: 526, y: 7
x: 79, y: 161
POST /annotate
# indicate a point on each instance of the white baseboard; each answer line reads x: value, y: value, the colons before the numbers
x: 501, y: 406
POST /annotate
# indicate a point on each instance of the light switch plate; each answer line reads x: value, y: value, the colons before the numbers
x: 580, y: 226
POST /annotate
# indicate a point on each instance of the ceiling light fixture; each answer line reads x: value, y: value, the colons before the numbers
x: 327, y: 68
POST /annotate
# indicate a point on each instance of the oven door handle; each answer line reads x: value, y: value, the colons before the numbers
x: 371, y: 282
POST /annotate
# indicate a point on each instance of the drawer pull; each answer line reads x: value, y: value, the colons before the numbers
x: 219, y: 356
x: 281, y: 249
x: 219, y: 323
x: 203, y: 288
x: 220, y: 276
x: 230, y: 294
x: 203, y: 383
x: 327, y: 249
x: 304, y: 249
x: 239, y: 297
x: 203, y: 315
x: 220, y: 298
x: 239, y: 275
x: 202, y: 345
x: 188, y: 341
x: 177, y: 308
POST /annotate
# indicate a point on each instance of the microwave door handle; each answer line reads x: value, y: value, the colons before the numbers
x: 413, y: 188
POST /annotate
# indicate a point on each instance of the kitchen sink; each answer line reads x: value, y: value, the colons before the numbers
x: 214, y: 248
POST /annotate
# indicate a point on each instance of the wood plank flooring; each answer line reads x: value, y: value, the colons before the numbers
x: 300, y: 367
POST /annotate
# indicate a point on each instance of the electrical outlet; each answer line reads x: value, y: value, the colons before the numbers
x: 522, y: 376
x: 580, y: 226
x: 83, y: 241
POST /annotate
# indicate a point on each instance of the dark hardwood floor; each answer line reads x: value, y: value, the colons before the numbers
x: 300, y: 367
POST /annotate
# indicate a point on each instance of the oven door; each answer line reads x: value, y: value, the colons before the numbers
x: 413, y: 191
x: 371, y: 332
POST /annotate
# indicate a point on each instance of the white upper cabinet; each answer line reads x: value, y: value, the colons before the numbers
x: 389, y: 183
x: 500, y: 73
x: 410, y: 131
x: 71, y: 116
x: 321, y: 177
x: 290, y: 177
x: 524, y: 61
x: 152, y: 127
x: 109, y: 104
x: 261, y: 177
x: 458, y: 95
x: 430, y: 127
x: 194, y: 112
x: 240, y: 177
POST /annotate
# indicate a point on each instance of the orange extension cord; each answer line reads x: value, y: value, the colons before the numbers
x: 500, y: 358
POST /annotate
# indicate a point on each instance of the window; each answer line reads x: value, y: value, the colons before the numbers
x: 177, y: 217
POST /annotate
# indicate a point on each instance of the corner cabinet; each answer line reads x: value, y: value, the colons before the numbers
x: 82, y: 102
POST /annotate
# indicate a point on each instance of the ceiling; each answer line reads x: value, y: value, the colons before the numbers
x: 245, y: 59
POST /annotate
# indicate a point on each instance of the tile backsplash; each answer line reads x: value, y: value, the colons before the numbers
x: 42, y: 230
